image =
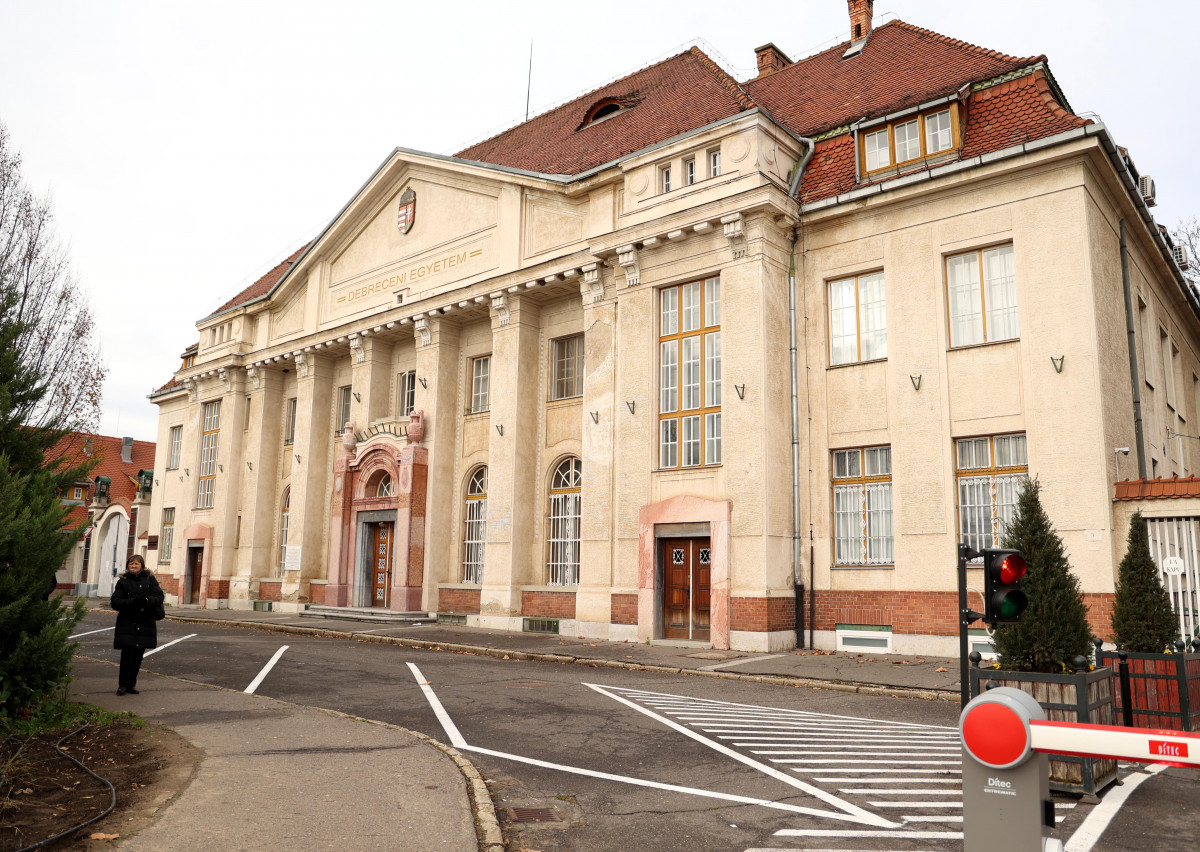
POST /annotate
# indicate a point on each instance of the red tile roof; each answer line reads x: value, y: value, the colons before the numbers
x: 123, y: 489
x: 171, y: 385
x: 672, y: 97
x: 262, y: 286
x: 1158, y: 489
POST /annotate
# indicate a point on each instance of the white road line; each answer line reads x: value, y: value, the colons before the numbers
x: 872, y: 770
x: 90, y: 632
x: 1097, y: 821
x: 168, y: 645
x: 870, y: 791
x: 857, y: 750
x: 249, y: 690
x: 742, y: 662
x: 916, y: 804
x: 1064, y: 804
x: 803, y: 737
x: 456, y: 739
x: 890, y: 780
x: 838, y: 760
x: 863, y: 816
x: 724, y: 707
x: 914, y: 835
x: 932, y: 819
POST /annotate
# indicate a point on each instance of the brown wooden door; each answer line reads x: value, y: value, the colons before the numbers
x: 382, y: 573
x: 687, y: 566
x: 195, y: 572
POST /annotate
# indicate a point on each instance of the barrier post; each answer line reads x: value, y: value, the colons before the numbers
x: 1006, y: 788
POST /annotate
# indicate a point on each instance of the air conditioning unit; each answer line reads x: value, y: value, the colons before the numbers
x: 1180, y: 255
x: 1146, y: 188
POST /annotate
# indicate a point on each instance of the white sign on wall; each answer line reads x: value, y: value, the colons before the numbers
x: 291, y: 559
x: 1172, y: 565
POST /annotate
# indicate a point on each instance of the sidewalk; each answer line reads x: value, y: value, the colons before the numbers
x: 927, y: 678
x: 357, y: 785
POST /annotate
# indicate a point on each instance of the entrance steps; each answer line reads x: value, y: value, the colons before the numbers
x: 367, y: 613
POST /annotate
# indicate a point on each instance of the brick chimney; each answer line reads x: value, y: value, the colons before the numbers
x: 770, y: 59
x: 861, y: 12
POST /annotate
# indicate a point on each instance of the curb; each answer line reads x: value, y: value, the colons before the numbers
x: 487, y: 825
x: 858, y: 687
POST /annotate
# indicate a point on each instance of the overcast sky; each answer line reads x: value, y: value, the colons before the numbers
x: 189, y: 146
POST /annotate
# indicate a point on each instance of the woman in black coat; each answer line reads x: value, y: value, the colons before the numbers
x: 138, y: 600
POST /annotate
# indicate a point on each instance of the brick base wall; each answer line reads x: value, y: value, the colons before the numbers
x: 762, y: 614
x: 548, y: 604
x: 316, y: 593
x: 459, y: 600
x: 218, y: 590
x: 169, y: 583
x: 269, y: 590
x: 623, y: 609
x: 929, y: 613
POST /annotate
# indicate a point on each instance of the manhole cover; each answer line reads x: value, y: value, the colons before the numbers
x: 713, y: 655
x: 533, y: 815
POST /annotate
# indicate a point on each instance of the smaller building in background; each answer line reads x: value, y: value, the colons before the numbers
x: 113, y: 501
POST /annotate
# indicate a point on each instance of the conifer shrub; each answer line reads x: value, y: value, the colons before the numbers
x: 1054, y: 629
x: 1143, y: 619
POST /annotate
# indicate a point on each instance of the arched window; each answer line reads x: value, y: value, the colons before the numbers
x: 283, y: 529
x: 475, y: 533
x: 384, y: 489
x: 562, y: 566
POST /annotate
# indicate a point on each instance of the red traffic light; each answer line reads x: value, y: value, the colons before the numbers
x: 1012, y: 568
x: 1004, y: 602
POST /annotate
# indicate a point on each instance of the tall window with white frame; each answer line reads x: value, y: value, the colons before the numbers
x: 857, y: 319
x: 664, y: 177
x: 982, y: 296
x: 689, y: 171
x: 166, y: 536
x: 862, y: 507
x: 174, y: 442
x: 475, y: 526
x: 480, y: 379
x: 689, y: 344
x: 210, y: 440
x: 289, y: 422
x: 714, y: 163
x: 990, y: 473
x: 344, y: 397
x: 406, y: 393
x: 562, y: 564
x: 567, y: 368
x: 284, y: 515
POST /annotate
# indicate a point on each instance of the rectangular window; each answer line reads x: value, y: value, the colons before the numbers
x: 480, y: 373
x: 406, y: 393
x: 937, y: 132
x: 343, y: 409
x: 77, y: 492
x: 878, y: 154
x: 246, y: 425
x: 714, y: 163
x: 173, y: 446
x: 210, y: 440
x: 981, y: 291
x: 1147, y: 347
x: 289, y: 422
x: 908, y: 141
x: 857, y: 319
x: 567, y: 368
x: 166, y: 536
x: 690, y: 374
x: 1168, y: 368
x: 862, y: 506
x: 990, y: 473
x: 689, y: 171
x: 474, y: 540
x: 665, y: 179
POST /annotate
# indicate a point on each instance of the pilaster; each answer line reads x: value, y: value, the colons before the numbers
x: 437, y: 396
x: 310, y: 473
x: 371, y: 372
x: 258, y: 557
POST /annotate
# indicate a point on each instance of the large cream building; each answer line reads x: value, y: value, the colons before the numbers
x: 688, y: 358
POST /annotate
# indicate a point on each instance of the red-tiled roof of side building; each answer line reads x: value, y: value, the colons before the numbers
x: 900, y: 66
x: 76, y: 447
x: 664, y: 100
x: 1158, y: 489
x: 263, y: 285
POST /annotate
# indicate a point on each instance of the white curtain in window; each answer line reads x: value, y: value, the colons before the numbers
x: 843, y: 322
x: 880, y: 550
x: 1000, y: 282
x: 966, y: 308
x: 873, y: 316
x: 564, y: 539
x: 847, y: 524
x: 1007, y: 490
x: 975, y: 511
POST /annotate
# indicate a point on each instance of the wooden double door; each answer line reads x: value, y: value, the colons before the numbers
x: 381, y: 560
x: 687, y: 577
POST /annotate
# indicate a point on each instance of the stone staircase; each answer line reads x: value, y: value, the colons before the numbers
x: 366, y: 613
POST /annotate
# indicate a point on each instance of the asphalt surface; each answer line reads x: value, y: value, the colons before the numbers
x: 603, y: 752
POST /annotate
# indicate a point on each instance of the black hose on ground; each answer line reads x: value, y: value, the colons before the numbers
x: 111, y: 805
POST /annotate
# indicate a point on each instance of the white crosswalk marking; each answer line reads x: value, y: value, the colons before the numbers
x: 907, y: 774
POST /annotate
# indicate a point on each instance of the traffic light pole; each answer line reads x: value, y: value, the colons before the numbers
x: 966, y: 616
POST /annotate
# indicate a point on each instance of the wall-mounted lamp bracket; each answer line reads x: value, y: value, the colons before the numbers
x: 595, y: 416
x: 249, y: 465
x: 916, y: 381
x: 1058, y: 362
x: 500, y: 429
x: 424, y: 384
x: 741, y: 391
x: 357, y: 396
x: 297, y: 458
x: 631, y: 404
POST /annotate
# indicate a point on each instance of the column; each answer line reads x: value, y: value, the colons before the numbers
x: 408, y: 541
x: 593, y: 601
x: 512, y: 459
x: 259, y: 469
x: 227, y: 499
x: 310, y: 475
x: 371, y: 378
x: 437, y: 366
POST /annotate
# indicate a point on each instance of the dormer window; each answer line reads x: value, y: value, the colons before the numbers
x: 602, y: 109
x: 908, y: 140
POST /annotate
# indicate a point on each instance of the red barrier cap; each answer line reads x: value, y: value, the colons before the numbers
x: 995, y: 727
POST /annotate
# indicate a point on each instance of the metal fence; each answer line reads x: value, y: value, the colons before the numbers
x: 1179, y: 537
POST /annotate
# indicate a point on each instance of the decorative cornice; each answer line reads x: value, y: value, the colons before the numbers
x: 591, y: 288
x: 500, y: 306
x: 254, y: 373
x: 422, y: 331
x: 356, y: 348
x: 303, y: 362
x: 627, y: 259
x: 192, y: 390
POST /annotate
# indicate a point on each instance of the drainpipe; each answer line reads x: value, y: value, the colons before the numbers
x: 797, y: 541
x: 1133, y: 367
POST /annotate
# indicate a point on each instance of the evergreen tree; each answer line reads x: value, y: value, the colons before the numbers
x: 1054, y: 628
x: 1143, y: 619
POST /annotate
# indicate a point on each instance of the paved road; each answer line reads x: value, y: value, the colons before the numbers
x: 608, y: 759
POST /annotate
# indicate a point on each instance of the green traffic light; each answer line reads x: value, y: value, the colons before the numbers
x: 1013, y: 604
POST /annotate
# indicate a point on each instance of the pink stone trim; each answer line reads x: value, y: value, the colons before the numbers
x: 199, y: 532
